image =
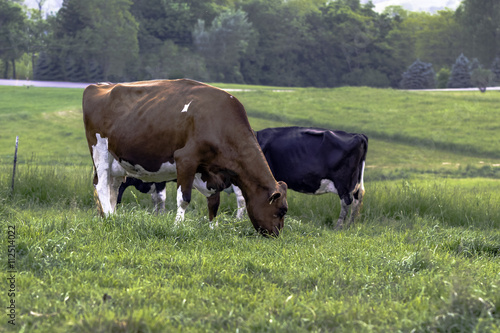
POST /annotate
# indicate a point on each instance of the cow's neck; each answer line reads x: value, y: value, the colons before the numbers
x: 252, y: 171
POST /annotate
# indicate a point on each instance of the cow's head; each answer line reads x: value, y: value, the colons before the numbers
x: 267, y: 210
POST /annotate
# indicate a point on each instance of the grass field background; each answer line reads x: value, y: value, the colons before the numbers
x: 423, y: 257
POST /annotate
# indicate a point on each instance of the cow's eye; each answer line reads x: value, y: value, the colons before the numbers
x: 281, y: 212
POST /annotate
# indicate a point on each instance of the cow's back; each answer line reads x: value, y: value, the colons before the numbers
x: 148, y: 121
x: 302, y: 157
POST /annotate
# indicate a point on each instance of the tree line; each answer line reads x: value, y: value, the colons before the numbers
x: 269, y: 42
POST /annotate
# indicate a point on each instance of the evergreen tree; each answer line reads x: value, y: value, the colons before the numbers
x: 420, y: 75
x: 94, y: 71
x: 56, y: 69
x: 495, y: 69
x: 74, y: 70
x: 48, y: 68
x: 474, y: 64
x: 460, y: 74
x: 42, y: 67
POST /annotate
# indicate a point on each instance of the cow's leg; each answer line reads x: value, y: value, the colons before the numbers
x: 213, y: 202
x: 344, y: 210
x: 186, y: 167
x: 182, y: 203
x: 121, y: 189
x: 159, y: 197
x: 240, y: 201
x: 109, y: 175
x: 357, y: 204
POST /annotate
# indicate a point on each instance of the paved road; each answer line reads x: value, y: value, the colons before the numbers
x: 457, y: 89
x: 55, y: 84
x: 51, y: 84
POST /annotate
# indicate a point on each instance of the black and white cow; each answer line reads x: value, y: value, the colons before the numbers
x: 317, y: 161
x: 157, y: 191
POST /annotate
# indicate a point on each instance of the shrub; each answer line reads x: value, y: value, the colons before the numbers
x: 366, y: 77
x: 482, y: 78
x: 442, y: 77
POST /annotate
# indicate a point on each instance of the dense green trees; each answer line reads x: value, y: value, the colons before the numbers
x: 12, y: 34
x: 495, y: 70
x: 272, y: 42
x: 480, y: 22
x: 224, y: 44
x: 95, y: 37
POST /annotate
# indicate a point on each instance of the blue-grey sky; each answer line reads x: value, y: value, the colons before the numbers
x: 416, y: 5
x: 413, y: 5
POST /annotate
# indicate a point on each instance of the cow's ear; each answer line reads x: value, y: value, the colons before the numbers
x: 274, y: 196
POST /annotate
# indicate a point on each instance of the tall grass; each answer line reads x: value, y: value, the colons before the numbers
x: 452, y: 202
x: 135, y: 271
x: 455, y: 202
x: 42, y: 185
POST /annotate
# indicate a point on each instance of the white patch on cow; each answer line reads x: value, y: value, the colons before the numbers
x: 360, y: 185
x: 117, y: 170
x: 109, y: 175
x: 167, y: 172
x: 186, y: 107
x: 158, y: 198
x: 201, y: 186
x: 326, y: 186
x: 162, y: 195
x: 240, y: 200
x: 152, y: 189
x: 100, y: 156
x: 181, y: 206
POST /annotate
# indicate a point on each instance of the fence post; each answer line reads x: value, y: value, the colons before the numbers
x: 14, y: 169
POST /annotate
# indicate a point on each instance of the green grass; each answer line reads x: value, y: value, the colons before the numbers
x: 48, y: 122
x: 423, y: 257
x: 459, y: 121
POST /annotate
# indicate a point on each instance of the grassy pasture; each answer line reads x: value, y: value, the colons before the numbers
x: 424, y: 256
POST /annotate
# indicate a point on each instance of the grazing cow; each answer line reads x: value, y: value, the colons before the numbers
x: 317, y: 161
x: 163, y: 130
x: 157, y: 191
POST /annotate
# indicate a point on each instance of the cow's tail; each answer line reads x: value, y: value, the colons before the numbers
x: 360, y: 188
x: 361, y: 166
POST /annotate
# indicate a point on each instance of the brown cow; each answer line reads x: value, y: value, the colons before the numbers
x: 180, y: 130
